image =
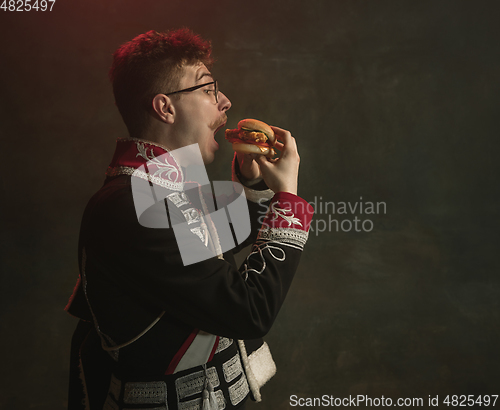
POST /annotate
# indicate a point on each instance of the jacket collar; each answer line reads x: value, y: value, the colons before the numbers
x: 147, y: 160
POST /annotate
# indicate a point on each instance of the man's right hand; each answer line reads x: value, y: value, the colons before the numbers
x: 281, y: 174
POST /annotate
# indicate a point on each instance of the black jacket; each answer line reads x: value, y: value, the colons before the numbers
x: 131, y: 275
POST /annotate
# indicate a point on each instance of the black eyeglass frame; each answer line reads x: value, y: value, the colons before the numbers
x: 196, y: 87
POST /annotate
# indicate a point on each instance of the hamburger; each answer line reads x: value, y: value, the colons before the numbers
x: 252, y: 137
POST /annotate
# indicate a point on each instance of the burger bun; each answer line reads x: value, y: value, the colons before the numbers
x: 253, y: 149
x: 256, y: 125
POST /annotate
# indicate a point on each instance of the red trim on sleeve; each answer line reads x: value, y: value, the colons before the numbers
x: 289, y: 211
x: 216, y: 345
x: 178, y: 356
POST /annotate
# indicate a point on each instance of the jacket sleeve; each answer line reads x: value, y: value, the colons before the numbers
x: 127, y: 268
x: 258, y: 197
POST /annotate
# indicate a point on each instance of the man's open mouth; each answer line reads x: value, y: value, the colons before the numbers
x: 219, y: 123
x: 219, y: 127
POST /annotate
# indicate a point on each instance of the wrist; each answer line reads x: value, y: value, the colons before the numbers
x: 246, y: 181
x: 288, y: 191
x: 290, y: 188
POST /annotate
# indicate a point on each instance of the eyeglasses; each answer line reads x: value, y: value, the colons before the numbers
x: 196, y: 87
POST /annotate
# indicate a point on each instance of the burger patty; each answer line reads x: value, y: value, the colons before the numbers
x: 251, y: 136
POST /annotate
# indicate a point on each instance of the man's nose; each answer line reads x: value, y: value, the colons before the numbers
x: 224, y: 103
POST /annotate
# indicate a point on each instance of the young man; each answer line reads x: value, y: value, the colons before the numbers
x: 154, y: 332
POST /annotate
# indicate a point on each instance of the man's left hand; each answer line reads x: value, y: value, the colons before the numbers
x: 249, y: 169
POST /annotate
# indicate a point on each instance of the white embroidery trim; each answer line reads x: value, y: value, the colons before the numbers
x: 192, y: 215
x: 145, y: 392
x: 193, y: 383
x: 224, y: 343
x: 211, y: 226
x: 288, y: 235
x: 174, y: 186
x: 163, y: 167
x: 195, y: 404
x: 238, y: 391
x: 178, y: 198
x: 232, y: 368
x: 125, y: 139
x: 291, y: 219
x: 201, y: 232
x: 258, y: 249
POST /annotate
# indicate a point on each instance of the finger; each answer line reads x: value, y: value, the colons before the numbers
x: 278, y: 131
x: 288, y: 146
x: 278, y: 148
x: 282, y: 135
x: 246, y: 159
x: 262, y: 160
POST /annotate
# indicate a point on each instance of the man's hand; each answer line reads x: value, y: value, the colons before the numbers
x: 281, y: 174
x: 248, y: 167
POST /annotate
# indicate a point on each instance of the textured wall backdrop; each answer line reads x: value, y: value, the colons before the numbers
x: 390, y: 101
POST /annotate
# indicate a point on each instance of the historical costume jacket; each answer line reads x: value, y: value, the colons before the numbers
x: 155, y: 332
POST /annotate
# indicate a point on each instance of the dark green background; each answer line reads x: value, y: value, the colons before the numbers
x: 391, y: 101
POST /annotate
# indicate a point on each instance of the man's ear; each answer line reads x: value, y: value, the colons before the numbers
x: 164, y: 109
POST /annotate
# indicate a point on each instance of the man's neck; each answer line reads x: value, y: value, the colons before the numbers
x: 158, y: 136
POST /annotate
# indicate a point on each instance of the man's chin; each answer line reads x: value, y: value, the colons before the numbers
x: 209, y: 158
